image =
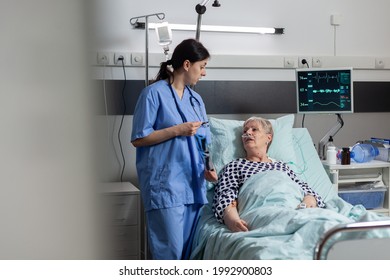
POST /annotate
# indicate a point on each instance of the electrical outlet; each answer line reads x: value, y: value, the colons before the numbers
x: 137, y: 59
x: 103, y: 58
x: 117, y: 58
x: 317, y: 62
x: 304, y: 62
x: 289, y: 62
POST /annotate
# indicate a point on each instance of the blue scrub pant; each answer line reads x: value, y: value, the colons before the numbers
x: 170, y: 231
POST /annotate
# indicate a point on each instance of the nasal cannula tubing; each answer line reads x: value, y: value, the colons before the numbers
x: 246, y: 135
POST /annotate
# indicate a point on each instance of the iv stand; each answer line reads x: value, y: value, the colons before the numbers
x: 134, y: 21
x: 332, y: 132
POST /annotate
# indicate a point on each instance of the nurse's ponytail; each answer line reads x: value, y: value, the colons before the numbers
x: 189, y: 49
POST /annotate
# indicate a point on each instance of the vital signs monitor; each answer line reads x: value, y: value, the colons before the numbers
x: 321, y: 90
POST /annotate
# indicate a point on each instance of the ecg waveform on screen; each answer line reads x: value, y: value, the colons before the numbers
x: 326, y: 91
x: 342, y: 105
x: 318, y: 77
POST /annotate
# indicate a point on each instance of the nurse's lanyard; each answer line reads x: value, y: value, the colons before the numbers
x: 200, y: 141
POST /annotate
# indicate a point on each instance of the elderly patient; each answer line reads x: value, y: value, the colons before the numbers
x: 256, y: 138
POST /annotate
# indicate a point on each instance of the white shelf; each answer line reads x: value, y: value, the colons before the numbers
x: 119, y: 188
x: 355, y: 165
x: 360, y: 178
x: 373, y: 171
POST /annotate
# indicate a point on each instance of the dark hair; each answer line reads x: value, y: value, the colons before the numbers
x: 189, y: 49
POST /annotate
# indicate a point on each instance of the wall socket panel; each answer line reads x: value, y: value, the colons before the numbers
x: 137, y: 59
x: 289, y: 62
x: 379, y: 63
x: 112, y: 58
x: 301, y: 63
x: 103, y: 58
x: 118, y: 56
x: 317, y: 62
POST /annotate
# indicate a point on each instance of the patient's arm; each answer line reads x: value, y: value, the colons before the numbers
x: 232, y: 219
x: 309, y: 192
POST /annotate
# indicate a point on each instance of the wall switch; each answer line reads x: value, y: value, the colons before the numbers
x: 137, y: 59
x: 103, y: 58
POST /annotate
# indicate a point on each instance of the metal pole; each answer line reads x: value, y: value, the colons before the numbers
x: 146, y: 51
x: 198, y: 25
x: 134, y: 21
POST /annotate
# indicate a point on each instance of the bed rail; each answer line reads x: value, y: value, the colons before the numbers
x: 320, y: 254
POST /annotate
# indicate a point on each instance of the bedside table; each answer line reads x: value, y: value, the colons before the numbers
x: 122, y: 207
x: 369, y: 172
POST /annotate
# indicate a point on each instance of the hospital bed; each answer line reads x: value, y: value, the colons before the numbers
x: 277, y: 229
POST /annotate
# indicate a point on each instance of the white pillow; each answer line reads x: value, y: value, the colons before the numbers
x: 226, y: 144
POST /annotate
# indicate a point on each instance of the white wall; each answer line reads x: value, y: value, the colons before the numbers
x: 362, y: 37
x: 363, y: 30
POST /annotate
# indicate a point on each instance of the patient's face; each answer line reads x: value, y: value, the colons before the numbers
x: 255, y: 136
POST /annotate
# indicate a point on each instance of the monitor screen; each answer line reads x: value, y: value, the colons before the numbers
x: 324, y: 90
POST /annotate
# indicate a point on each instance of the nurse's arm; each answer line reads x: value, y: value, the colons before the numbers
x: 158, y: 136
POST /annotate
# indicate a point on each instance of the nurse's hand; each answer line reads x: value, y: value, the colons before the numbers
x: 161, y: 135
x: 188, y: 128
x: 211, y: 175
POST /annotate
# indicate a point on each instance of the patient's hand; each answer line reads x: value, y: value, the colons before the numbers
x: 237, y: 225
x: 310, y: 201
x: 232, y: 219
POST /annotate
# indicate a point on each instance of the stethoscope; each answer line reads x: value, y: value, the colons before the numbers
x: 199, y: 140
x: 192, y: 99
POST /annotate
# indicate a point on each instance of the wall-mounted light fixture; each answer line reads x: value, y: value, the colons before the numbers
x: 222, y: 28
x: 217, y: 28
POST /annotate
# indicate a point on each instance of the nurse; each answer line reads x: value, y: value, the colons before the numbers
x: 171, y: 132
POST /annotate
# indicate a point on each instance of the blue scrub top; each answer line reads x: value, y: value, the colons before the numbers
x: 170, y: 173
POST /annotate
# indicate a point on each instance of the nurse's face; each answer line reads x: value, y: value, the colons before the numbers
x: 195, y: 71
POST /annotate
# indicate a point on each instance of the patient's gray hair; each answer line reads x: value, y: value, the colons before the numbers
x: 264, y: 123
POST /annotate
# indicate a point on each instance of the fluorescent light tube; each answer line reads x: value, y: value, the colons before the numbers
x: 221, y: 28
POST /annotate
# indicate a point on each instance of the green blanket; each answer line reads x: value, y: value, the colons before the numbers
x: 268, y: 201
